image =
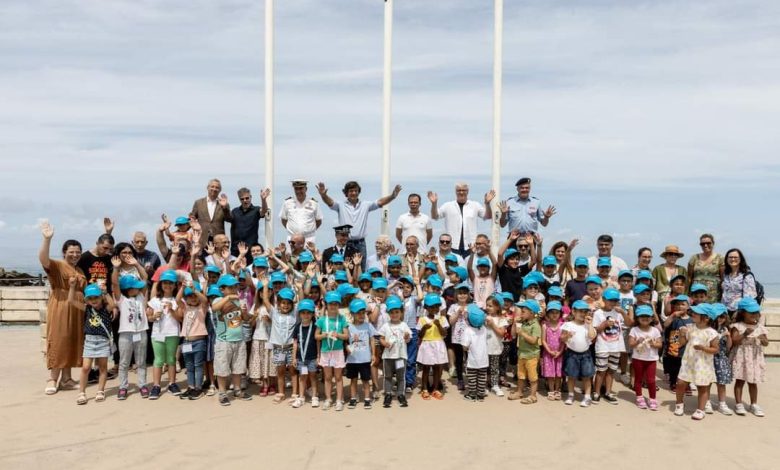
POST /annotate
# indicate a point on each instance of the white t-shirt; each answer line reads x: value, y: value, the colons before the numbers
x: 458, y: 322
x: 167, y: 325
x: 627, y: 300
x: 417, y: 226
x: 282, y: 327
x: 611, y: 339
x: 475, y: 339
x: 132, y: 314
x: 579, y: 341
x: 495, y: 343
x: 644, y: 352
x: 394, y: 333
x: 262, y: 329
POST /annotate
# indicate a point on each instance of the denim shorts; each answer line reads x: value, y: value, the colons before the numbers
x: 578, y: 365
x: 307, y: 367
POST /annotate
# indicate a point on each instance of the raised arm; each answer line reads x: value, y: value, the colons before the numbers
x: 160, y: 237
x: 434, y: 199
x: 264, y: 202
x: 324, y: 194
x: 513, y: 236
x: 385, y: 200
x: 489, y: 196
x: 43, y: 254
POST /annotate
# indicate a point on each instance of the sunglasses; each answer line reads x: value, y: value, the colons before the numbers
x: 445, y: 242
x: 705, y: 244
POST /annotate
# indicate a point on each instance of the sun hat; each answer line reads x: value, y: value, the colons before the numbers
x: 643, y: 311
x: 697, y: 287
x: 554, y: 305
x: 611, y: 294
x: 169, y: 275
x: 286, y: 294
x: 181, y: 220
x: 580, y: 261
x: 639, y: 288
x: 431, y: 300
x: 671, y: 250
x: 549, y: 260
x: 379, y: 283
x: 227, y: 280
x: 580, y: 305
x: 749, y: 305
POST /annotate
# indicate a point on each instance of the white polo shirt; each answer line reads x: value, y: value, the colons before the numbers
x: 414, y: 225
x: 301, y: 217
x: 453, y: 221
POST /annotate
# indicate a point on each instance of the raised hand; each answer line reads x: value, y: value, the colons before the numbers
x: 489, y: 196
x: 47, y: 230
x: 549, y: 212
x: 116, y: 262
x: 225, y: 254
x: 514, y: 235
x: 210, y: 248
x: 222, y: 200
x: 72, y: 281
x: 397, y: 190
x: 108, y: 224
x: 433, y: 197
x: 311, y: 269
x: 538, y: 238
x: 322, y: 189
x: 357, y: 258
x: 574, y: 243
x: 503, y: 207
x: 311, y: 246
x: 194, y: 224
x: 265, y: 193
x: 242, y: 249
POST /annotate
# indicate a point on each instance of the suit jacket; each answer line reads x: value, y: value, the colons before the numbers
x: 348, y: 252
x: 200, y: 210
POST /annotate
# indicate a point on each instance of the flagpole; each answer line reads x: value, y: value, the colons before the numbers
x: 498, y: 31
x: 387, y: 89
x: 269, y: 120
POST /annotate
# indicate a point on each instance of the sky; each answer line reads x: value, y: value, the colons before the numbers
x: 652, y: 121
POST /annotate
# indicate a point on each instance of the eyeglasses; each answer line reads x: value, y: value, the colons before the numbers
x: 522, y: 247
x: 705, y: 244
x: 445, y: 242
x: 248, y: 198
x: 733, y: 257
x: 411, y: 244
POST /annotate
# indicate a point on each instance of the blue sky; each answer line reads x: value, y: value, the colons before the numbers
x: 654, y: 121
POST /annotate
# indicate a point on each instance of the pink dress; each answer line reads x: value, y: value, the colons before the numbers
x: 551, y: 366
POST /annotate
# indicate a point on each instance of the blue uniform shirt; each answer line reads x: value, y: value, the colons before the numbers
x: 524, y: 215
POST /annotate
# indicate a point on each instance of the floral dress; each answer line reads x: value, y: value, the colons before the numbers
x: 697, y: 366
x: 721, y: 360
x: 708, y: 274
x: 747, y: 359
x: 551, y: 366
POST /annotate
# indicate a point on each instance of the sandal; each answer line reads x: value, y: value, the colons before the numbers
x: 425, y: 395
x: 278, y: 398
x: 100, y: 396
x: 51, y: 387
x: 528, y: 400
x: 437, y: 395
x: 557, y: 396
x: 81, y: 399
x: 69, y: 384
x: 551, y: 396
x: 264, y: 391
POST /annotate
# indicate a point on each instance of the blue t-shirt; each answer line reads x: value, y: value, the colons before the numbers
x: 361, y: 349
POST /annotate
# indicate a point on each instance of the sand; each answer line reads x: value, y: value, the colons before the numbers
x: 41, y: 431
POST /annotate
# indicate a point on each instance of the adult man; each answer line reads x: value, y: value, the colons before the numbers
x: 211, y: 211
x: 342, y: 246
x: 245, y: 219
x: 524, y: 212
x: 354, y: 212
x: 460, y: 216
x: 221, y: 255
x: 301, y: 215
x: 296, y: 246
x: 96, y: 263
x: 412, y: 260
x: 148, y: 259
x: 445, y: 249
x: 384, y: 248
x: 604, y: 246
x: 414, y: 223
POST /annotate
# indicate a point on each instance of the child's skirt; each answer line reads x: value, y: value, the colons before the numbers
x: 432, y: 353
x: 96, y: 347
x: 260, y: 360
x: 551, y: 366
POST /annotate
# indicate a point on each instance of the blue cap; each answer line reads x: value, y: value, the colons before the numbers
x: 306, y: 305
x: 749, y: 305
x: 535, y: 275
x: 611, y: 294
x: 431, y: 300
x: 306, y: 257
x: 696, y: 287
x: 717, y: 310
x: 372, y: 271
x: 357, y: 305
x: 340, y: 275
x: 332, y: 296
x: 432, y: 266
x: 227, y: 280
x: 278, y: 276
x: 462, y: 273
x: 531, y: 305
x: 555, y: 291
x: 451, y: 258
x: 463, y: 286
x: 549, y: 260
x: 483, y: 261
x: 508, y: 296
x: 379, y: 283
x: 604, y: 261
x: 169, y: 275
x: 286, y: 293
x: 130, y: 282
x: 260, y: 262
x: 625, y: 272
x: 212, y: 292
x: 594, y: 280
x: 242, y: 275
x: 93, y: 290
x: 394, y: 302
x: 511, y: 252
x: 407, y: 279
x: 580, y: 261
x: 639, y: 288
x: 347, y: 289
x: 702, y: 309
x: 554, y: 305
x: 435, y: 281
x: 181, y: 220
x: 498, y: 298
x: 394, y: 260
x: 580, y: 305
x: 476, y: 316
x: 336, y: 258
x: 212, y: 269
x: 364, y: 277
x: 681, y: 298
x: 644, y: 274
x: 643, y: 311
x: 529, y: 281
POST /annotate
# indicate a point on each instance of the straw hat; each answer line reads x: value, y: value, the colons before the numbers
x: 672, y: 250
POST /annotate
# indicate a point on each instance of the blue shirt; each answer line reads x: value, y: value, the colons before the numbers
x: 356, y: 216
x: 361, y: 349
x: 524, y: 215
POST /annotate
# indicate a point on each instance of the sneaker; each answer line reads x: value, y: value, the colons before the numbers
x: 352, y: 403
x: 224, y: 400
x: 408, y: 390
x: 724, y: 409
x: 469, y: 397
x: 569, y: 400
x: 185, y: 394
x: 174, y: 389
x: 698, y: 415
x: 326, y: 405
x: 739, y: 409
x: 708, y: 408
x: 585, y: 402
x: 242, y: 395
x: 757, y: 411
x: 367, y: 404
x: 122, y: 395
x: 388, y: 401
x: 402, y: 401
x: 212, y: 391
x: 315, y: 402
x: 461, y: 385
x: 640, y: 403
x: 155, y: 393
x: 497, y: 390
x: 195, y: 394
x: 144, y: 392
x: 244, y: 382
x: 625, y: 379
x: 297, y: 403
x: 611, y: 399
x: 653, y: 405
x: 596, y: 399
x: 339, y: 405
x: 679, y: 409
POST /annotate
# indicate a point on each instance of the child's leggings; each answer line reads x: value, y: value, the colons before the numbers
x: 165, y: 351
x: 476, y: 382
x: 459, y: 359
x: 506, y: 357
x: 672, y: 367
x: 128, y: 349
x: 390, y: 368
x: 494, y: 369
x: 644, y: 371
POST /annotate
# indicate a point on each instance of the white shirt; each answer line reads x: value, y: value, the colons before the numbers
x: 440, y: 259
x: 356, y: 216
x: 167, y: 325
x: 132, y: 314
x: 211, y: 205
x: 301, y: 217
x: 262, y: 329
x: 475, y: 339
x: 617, y: 265
x: 579, y: 341
x: 611, y: 339
x: 453, y: 221
x: 394, y: 333
x: 414, y: 225
x: 644, y: 352
x: 495, y: 343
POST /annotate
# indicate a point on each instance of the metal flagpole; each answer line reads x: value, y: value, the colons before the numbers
x: 498, y: 31
x: 269, y: 120
x: 387, y: 88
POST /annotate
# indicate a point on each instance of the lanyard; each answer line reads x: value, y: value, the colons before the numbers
x: 331, y: 341
x: 308, y: 337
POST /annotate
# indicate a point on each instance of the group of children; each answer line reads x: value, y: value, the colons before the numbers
x: 281, y: 324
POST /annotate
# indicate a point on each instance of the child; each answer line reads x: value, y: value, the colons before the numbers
x: 260, y: 360
x: 361, y: 350
x: 212, y: 294
x: 412, y: 295
x: 496, y: 328
x: 162, y: 310
x: 230, y: 348
x: 485, y: 280
x: 305, y: 354
x: 282, y: 321
x: 747, y: 357
x: 723, y: 374
x: 394, y: 335
x: 577, y: 288
x: 697, y: 362
x: 550, y: 270
x: 578, y: 334
x: 377, y: 315
x: 677, y: 286
x: 331, y: 333
x: 98, y: 340
x: 183, y: 233
x: 456, y: 315
x: 698, y: 293
x: 194, y: 335
x: 645, y: 341
x: 129, y: 294
x: 555, y: 294
x: 594, y: 287
x: 509, y: 351
x: 475, y: 343
x: 675, y: 345
x: 609, y: 325
x: 432, y: 329
x: 552, y: 349
x: 528, y: 333
x: 604, y: 267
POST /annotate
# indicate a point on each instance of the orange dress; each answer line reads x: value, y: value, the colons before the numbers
x: 64, y: 323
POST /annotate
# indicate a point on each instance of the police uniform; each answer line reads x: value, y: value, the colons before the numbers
x: 347, y: 251
x: 524, y: 215
x: 301, y: 217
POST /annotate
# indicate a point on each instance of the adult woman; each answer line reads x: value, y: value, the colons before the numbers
x: 663, y: 273
x: 643, y: 259
x: 129, y: 265
x: 707, y: 268
x: 562, y: 252
x: 65, y: 323
x: 738, y: 281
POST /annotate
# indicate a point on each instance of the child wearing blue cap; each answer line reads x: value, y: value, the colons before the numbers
x: 674, y: 345
x: 331, y: 332
x: 230, y: 348
x: 609, y: 322
x: 496, y: 326
x: 432, y: 328
x: 193, y: 306
x: 412, y: 295
x: 549, y: 269
x: 595, y: 287
x: 723, y: 372
x: 677, y: 287
x: 456, y: 315
x: 750, y: 338
x: 578, y: 334
x: 529, y: 333
x: 603, y: 270
x: 98, y: 339
x: 377, y: 315
x: 305, y: 354
x: 509, y: 351
x: 510, y: 268
x: 477, y: 361
x: 552, y: 349
x: 697, y: 362
x: 394, y: 335
x: 162, y: 310
x: 576, y: 288
x: 130, y: 297
x: 698, y: 293
x: 645, y: 341
x: 183, y: 233
x: 484, y: 281
x: 282, y: 319
x: 361, y: 354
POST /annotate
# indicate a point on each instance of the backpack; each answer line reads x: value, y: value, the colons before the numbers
x: 759, y: 287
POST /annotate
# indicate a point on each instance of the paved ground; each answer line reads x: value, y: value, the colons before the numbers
x: 44, y: 432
